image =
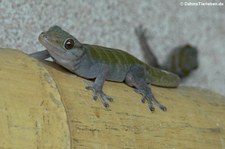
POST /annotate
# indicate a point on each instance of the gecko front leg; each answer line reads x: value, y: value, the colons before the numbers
x: 40, y: 55
x: 97, y: 87
x: 136, y: 77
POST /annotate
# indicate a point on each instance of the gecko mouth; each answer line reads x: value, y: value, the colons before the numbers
x: 43, y: 39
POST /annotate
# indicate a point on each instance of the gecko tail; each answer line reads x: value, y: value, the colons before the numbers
x: 162, y: 78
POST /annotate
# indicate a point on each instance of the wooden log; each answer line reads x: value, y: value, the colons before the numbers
x: 195, y: 117
x: 31, y: 112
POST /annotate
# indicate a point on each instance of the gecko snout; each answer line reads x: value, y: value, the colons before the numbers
x: 43, y: 35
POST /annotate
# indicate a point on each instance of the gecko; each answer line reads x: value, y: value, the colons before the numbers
x: 182, y: 60
x: 103, y: 63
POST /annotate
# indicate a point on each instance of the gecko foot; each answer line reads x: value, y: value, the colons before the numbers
x: 98, y: 93
x: 150, y: 99
x: 140, y: 31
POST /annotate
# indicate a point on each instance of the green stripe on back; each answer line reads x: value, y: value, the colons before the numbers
x: 112, y: 56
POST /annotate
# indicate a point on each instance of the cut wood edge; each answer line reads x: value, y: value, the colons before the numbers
x: 32, y: 114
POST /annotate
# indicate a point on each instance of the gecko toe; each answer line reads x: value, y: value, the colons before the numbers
x: 95, y: 97
x: 89, y: 83
x: 137, y: 91
x: 109, y: 98
x: 104, y: 99
x: 106, y: 105
x: 143, y: 99
x: 151, y: 107
x: 88, y: 87
x: 162, y: 107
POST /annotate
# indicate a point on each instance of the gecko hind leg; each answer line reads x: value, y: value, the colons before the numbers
x: 97, y: 92
x: 136, y: 77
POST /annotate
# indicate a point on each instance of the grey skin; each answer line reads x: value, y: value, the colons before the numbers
x: 101, y: 63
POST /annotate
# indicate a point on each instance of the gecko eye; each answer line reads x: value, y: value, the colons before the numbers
x: 69, y: 44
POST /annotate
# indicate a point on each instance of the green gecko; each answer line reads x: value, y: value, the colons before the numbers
x: 181, y: 61
x: 102, y: 63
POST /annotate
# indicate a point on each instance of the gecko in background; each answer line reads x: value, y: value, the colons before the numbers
x: 102, y: 63
x: 181, y: 61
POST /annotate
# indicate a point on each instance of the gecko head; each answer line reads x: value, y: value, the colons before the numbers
x: 56, y: 37
x: 60, y: 42
x: 61, y: 45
